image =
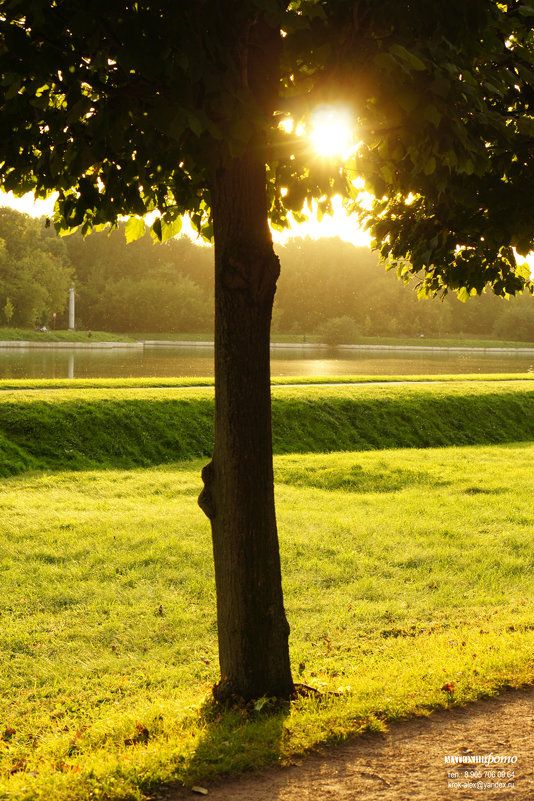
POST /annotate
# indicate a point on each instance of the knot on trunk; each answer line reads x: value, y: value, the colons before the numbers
x: 251, y: 269
x: 205, y: 499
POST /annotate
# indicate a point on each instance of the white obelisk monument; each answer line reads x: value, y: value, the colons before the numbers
x: 71, y: 309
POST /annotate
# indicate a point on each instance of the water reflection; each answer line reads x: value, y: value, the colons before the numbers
x: 198, y: 361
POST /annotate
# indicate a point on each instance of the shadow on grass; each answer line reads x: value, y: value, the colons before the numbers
x: 356, y: 479
x: 237, y: 739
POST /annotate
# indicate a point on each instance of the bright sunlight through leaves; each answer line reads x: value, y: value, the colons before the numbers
x: 331, y: 131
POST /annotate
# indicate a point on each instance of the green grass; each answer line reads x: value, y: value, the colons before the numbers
x: 132, y: 425
x: 206, y: 336
x: 29, y: 335
x: 403, y: 570
x: 446, y: 341
x: 209, y: 381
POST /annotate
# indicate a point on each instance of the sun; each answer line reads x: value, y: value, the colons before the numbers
x: 331, y: 131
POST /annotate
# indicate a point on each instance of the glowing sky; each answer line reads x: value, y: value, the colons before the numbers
x: 338, y: 225
x: 27, y: 204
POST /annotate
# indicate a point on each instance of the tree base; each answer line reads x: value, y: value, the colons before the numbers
x: 225, y: 692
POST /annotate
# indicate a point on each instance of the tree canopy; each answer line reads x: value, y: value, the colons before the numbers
x: 128, y: 107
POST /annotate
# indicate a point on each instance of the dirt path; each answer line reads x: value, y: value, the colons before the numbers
x: 408, y: 763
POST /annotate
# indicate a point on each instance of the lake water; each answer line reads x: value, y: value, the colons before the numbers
x: 198, y: 361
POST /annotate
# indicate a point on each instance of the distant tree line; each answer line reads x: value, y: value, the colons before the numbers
x: 327, y: 287
x: 35, y: 271
x: 328, y: 279
x: 141, y: 286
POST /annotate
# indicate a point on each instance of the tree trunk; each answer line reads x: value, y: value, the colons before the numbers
x: 238, y: 495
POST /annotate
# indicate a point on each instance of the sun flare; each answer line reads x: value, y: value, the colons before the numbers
x: 331, y: 131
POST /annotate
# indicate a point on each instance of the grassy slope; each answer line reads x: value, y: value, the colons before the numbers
x: 112, y: 427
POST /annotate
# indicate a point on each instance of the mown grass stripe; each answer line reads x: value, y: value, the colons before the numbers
x: 208, y: 381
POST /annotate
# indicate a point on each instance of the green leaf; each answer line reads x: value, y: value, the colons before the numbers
x: 492, y: 89
x: 134, y: 229
x: 441, y: 86
x: 525, y: 73
x: 385, y: 61
x: 469, y: 167
x: 407, y: 57
x: 299, y: 217
x: 261, y: 702
x: 408, y: 99
x: 195, y: 124
x: 14, y: 88
x: 387, y: 173
x: 206, y: 232
x: 432, y: 115
x: 463, y: 294
x: 170, y: 229
x: 523, y: 270
x: 155, y: 230
x: 525, y: 125
x: 430, y: 166
x: 469, y: 78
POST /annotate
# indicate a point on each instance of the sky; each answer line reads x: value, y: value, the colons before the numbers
x: 338, y: 225
x: 26, y: 204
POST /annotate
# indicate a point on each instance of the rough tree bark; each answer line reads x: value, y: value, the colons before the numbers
x: 238, y: 494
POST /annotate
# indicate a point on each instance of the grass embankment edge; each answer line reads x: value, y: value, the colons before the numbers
x: 55, y: 429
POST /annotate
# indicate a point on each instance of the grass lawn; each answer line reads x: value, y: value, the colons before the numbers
x: 404, y: 571
x: 30, y: 335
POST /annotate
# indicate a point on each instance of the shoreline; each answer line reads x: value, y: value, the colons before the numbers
x: 31, y: 344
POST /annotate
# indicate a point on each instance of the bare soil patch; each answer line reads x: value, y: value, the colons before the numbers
x: 408, y: 762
